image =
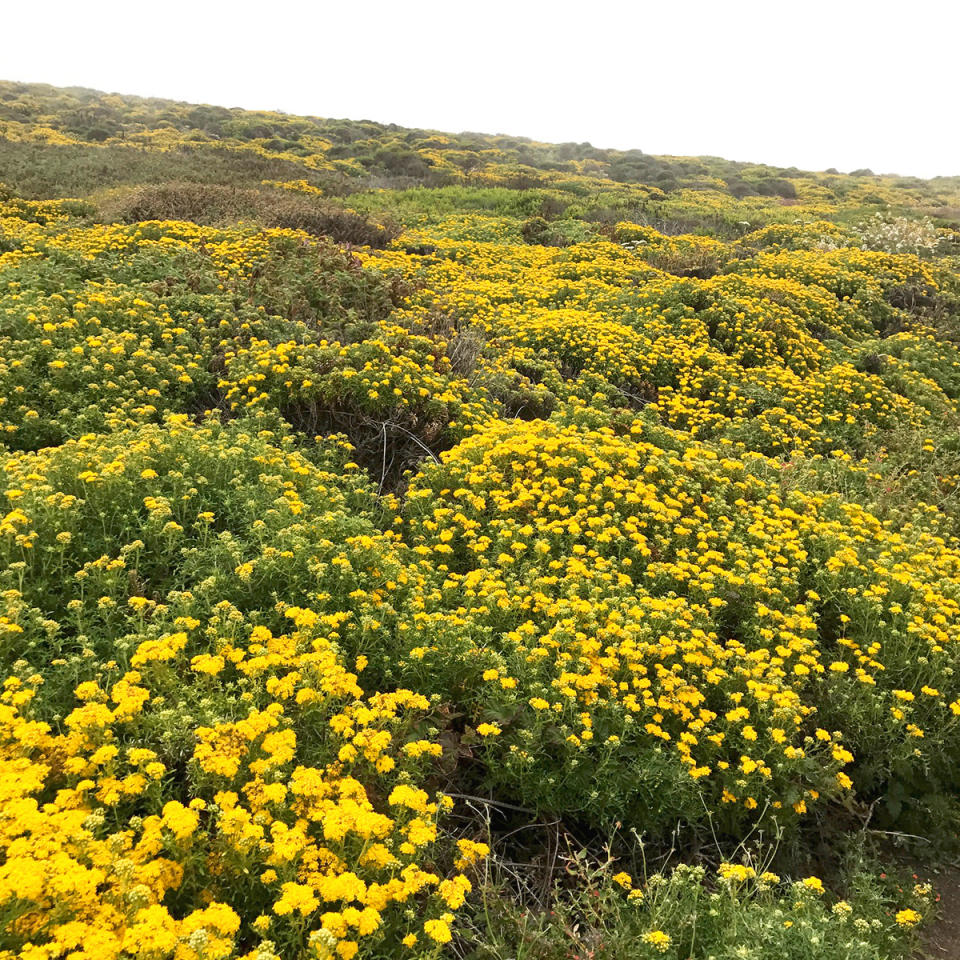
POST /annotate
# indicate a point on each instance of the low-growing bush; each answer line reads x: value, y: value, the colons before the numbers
x: 212, y: 204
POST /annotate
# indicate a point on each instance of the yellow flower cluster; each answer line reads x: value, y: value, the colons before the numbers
x: 82, y: 874
x: 612, y: 573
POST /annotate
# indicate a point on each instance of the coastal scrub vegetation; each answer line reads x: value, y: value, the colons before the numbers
x: 433, y: 545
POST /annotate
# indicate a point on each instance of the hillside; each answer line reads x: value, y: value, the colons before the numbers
x: 451, y: 545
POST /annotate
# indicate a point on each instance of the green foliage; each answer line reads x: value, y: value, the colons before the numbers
x: 742, y: 910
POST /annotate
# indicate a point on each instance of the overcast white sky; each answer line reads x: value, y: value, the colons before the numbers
x: 806, y: 83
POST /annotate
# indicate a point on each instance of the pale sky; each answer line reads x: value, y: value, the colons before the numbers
x: 804, y: 83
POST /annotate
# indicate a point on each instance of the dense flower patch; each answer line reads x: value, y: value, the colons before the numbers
x: 307, y: 553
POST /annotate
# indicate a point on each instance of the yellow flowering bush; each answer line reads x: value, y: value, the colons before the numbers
x: 274, y: 818
x: 626, y: 600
